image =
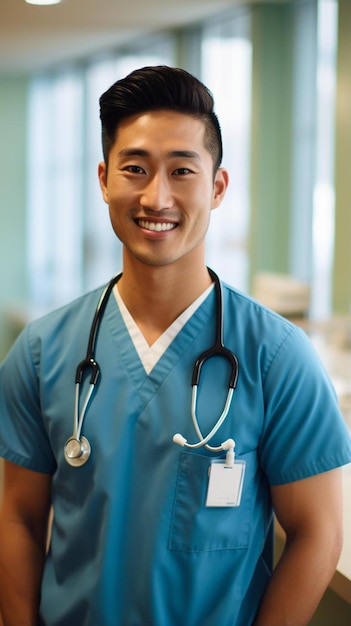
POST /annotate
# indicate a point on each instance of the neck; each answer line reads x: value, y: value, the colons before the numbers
x: 156, y: 296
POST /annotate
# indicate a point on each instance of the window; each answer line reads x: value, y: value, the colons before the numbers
x: 226, y: 44
x: 312, y: 228
x: 323, y: 197
x: 71, y: 246
x: 55, y: 189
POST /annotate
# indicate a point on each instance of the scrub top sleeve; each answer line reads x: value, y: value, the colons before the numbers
x: 304, y: 432
x: 23, y: 437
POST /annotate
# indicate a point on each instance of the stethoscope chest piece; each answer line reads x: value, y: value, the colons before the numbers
x: 77, y: 451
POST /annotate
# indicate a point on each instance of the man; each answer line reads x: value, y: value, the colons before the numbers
x: 133, y: 542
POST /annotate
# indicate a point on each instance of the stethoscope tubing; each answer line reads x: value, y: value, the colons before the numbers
x: 77, y: 447
x: 203, y: 441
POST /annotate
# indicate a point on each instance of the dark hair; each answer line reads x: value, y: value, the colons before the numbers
x: 159, y: 88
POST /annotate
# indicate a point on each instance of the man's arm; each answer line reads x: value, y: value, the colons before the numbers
x: 310, y: 512
x: 24, y: 514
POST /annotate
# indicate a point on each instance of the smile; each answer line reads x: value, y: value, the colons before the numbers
x: 156, y: 226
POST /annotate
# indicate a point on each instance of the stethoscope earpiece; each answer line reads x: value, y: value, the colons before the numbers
x: 179, y: 439
x: 77, y: 451
x: 227, y: 446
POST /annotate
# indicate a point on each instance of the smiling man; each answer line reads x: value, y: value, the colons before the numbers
x: 160, y: 189
x: 146, y: 533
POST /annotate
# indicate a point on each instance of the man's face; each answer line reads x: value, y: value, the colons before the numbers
x: 160, y: 187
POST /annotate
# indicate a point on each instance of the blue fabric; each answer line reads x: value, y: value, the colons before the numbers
x: 132, y: 542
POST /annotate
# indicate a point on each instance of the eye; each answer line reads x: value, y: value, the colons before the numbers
x: 182, y: 171
x: 134, y: 169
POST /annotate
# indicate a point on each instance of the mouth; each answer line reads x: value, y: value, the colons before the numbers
x: 155, y: 226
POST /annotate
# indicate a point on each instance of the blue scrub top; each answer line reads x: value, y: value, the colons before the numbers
x: 133, y: 543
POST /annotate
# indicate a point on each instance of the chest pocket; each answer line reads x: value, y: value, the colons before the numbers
x: 197, y: 528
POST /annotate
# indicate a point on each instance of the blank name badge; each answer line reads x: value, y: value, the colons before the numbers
x: 225, y: 483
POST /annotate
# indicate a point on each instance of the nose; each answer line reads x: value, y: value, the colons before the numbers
x: 156, y: 194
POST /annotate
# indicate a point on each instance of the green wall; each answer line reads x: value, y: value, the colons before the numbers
x: 270, y: 139
x: 13, y: 283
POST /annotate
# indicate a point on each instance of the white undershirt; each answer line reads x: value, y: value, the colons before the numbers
x: 149, y: 355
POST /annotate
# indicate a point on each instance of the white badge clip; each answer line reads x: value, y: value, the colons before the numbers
x: 226, y: 479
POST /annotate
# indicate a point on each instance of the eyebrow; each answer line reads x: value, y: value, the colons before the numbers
x: 173, y: 154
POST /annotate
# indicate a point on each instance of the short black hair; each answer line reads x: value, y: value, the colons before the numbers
x: 157, y: 88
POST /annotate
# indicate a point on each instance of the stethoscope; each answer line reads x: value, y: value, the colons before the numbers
x: 77, y: 449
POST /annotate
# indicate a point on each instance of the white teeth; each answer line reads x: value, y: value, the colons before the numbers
x: 156, y: 226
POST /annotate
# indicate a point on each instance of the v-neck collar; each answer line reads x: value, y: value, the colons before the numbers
x: 127, y: 355
x: 150, y: 355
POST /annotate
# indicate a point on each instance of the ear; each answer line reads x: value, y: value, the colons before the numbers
x: 102, y: 173
x: 220, y: 185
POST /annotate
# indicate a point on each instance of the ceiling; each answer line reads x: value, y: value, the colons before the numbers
x: 38, y: 37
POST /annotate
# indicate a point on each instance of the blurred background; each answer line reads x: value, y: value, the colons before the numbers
x: 280, y: 74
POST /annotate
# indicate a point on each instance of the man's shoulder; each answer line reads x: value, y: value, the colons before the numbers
x: 64, y: 326
x: 254, y: 312
x: 80, y: 305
